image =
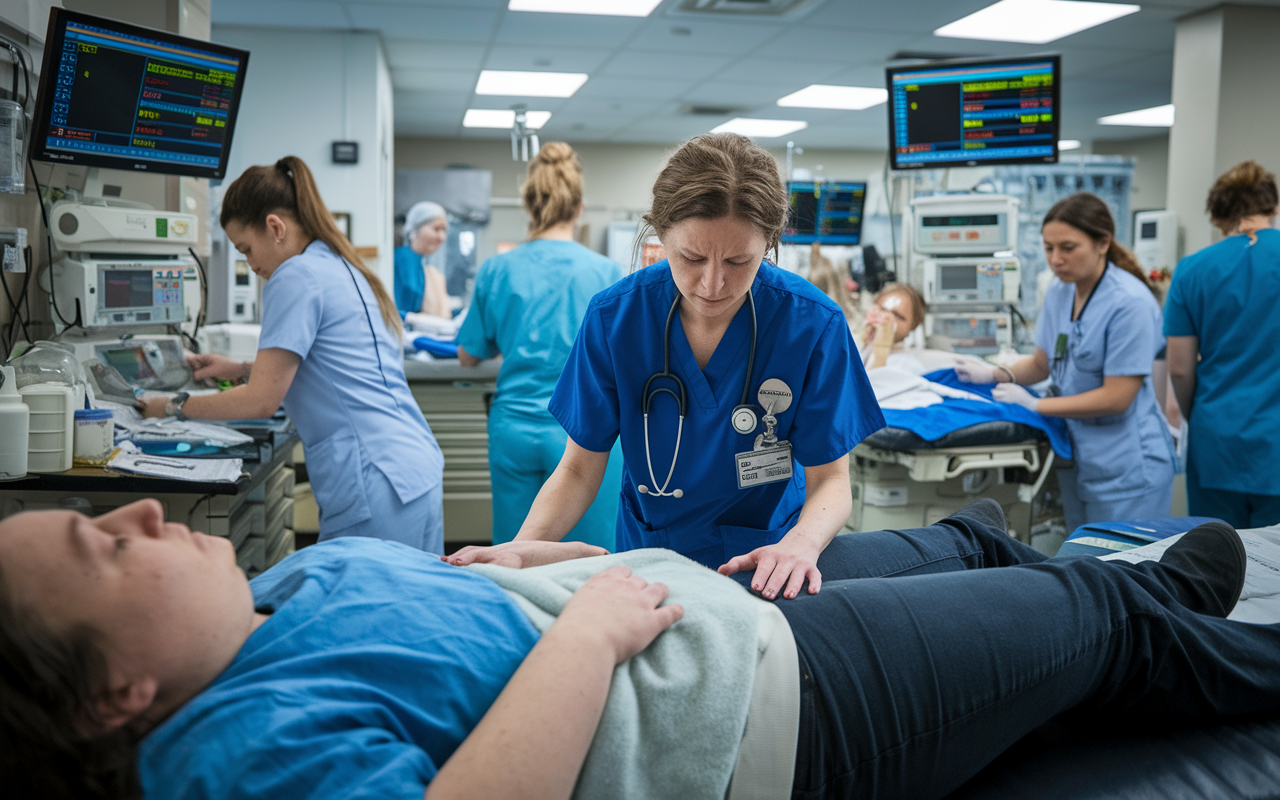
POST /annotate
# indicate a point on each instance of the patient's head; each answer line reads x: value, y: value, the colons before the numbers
x: 905, y: 305
x: 107, y: 625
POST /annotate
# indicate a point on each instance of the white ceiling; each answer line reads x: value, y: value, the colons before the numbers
x: 643, y: 71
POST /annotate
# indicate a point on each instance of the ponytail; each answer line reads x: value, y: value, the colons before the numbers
x: 288, y: 187
x: 1088, y: 214
x: 552, y: 191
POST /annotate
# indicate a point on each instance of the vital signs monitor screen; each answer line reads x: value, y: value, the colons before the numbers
x: 827, y: 212
x: 117, y: 95
x: 974, y: 112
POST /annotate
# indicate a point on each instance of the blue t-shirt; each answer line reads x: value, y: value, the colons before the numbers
x: 528, y: 305
x: 1118, y: 455
x: 376, y: 663
x: 802, y: 340
x: 1224, y: 296
x: 349, y: 399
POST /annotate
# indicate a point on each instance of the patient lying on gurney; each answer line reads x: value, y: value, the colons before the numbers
x: 136, y: 658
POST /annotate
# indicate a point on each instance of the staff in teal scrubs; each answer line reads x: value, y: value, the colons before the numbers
x: 420, y: 288
x: 1097, y: 338
x: 527, y: 307
x: 734, y: 387
x: 1222, y: 325
x: 330, y: 352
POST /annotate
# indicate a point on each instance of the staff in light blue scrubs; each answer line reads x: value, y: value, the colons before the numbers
x: 527, y: 307
x: 734, y: 386
x: 1097, y: 337
x: 1222, y: 325
x: 330, y: 351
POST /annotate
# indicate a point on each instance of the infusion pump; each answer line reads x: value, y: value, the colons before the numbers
x: 987, y: 280
x: 111, y: 292
x: 967, y: 224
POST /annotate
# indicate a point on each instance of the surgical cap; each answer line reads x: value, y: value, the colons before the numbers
x: 420, y: 214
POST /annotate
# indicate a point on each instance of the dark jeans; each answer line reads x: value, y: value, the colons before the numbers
x: 909, y: 686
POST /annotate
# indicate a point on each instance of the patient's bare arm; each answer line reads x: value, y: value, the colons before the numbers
x: 519, y: 555
x: 534, y: 738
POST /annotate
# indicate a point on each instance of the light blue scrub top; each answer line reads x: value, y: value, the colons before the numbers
x: 376, y: 663
x: 1225, y: 295
x: 349, y: 399
x: 803, y: 340
x: 410, y: 281
x: 1120, y: 455
x: 528, y: 305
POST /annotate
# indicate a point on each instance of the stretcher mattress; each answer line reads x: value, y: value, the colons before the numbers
x: 1070, y: 759
x: 983, y: 434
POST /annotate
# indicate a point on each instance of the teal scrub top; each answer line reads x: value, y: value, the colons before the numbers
x: 802, y: 340
x: 410, y: 281
x: 349, y: 399
x: 1118, y: 333
x: 528, y: 305
x: 1225, y: 295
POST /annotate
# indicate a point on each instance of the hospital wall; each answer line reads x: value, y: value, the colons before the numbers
x: 618, y: 177
x: 1151, y: 175
x: 305, y: 90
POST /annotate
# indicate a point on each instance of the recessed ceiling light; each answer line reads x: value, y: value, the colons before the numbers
x: 611, y: 8
x: 1068, y: 144
x: 848, y: 98
x: 497, y: 118
x: 1033, y: 21
x: 530, y: 84
x: 1154, y: 117
x: 761, y: 128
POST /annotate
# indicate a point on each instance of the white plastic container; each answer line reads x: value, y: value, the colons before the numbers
x: 94, y: 439
x: 49, y: 443
x: 14, y: 426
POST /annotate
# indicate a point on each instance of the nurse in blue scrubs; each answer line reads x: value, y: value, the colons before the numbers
x: 734, y: 386
x: 420, y: 288
x: 527, y: 307
x: 330, y: 351
x: 1223, y: 328
x: 1097, y: 338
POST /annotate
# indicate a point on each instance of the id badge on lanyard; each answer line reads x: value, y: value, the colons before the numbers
x: 769, y: 461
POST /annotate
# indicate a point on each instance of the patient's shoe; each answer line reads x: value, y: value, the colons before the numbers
x: 1207, y: 565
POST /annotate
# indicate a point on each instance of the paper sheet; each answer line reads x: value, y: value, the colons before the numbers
x: 171, y: 429
x: 202, y: 470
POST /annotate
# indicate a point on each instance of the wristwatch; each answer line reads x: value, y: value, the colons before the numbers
x: 173, y: 408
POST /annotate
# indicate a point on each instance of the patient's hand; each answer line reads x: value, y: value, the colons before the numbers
x: 620, y: 611
x: 518, y: 555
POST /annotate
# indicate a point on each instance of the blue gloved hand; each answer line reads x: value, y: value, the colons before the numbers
x: 1013, y: 393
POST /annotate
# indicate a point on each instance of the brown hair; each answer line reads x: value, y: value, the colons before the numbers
x: 1243, y: 191
x: 918, y: 306
x: 287, y: 187
x: 552, y: 191
x: 719, y: 175
x: 1088, y: 214
x: 49, y: 684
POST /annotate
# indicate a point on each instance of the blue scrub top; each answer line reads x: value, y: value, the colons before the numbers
x: 528, y: 305
x: 1119, y: 455
x: 1224, y: 295
x: 349, y: 399
x: 376, y: 663
x: 410, y: 281
x: 803, y: 340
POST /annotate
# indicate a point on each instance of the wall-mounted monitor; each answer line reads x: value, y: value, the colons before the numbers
x: 827, y: 212
x: 126, y: 97
x: 971, y: 113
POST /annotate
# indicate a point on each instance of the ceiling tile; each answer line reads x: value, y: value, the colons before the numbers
x: 781, y: 72
x: 495, y: 5
x: 663, y: 34
x: 634, y: 88
x: 546, y: 59
x: 864, y: 15
x: 566, y: 29
x: 631, y: 64
x: 408, y: 22
x: 414, y: 54
x: 433, y: 79
x: 279, y: 14
x: 836, y: 43
x: 408, y: 100
x: 1149, y: 29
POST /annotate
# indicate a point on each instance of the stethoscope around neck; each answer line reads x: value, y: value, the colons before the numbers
x: 743, y: 418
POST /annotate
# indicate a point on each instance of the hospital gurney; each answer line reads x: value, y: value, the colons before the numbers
x: 1066, y: 760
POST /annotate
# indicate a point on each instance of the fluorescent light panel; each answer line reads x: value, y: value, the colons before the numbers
x: 1154, y: 117
x: 761, y: 128
x: 609, y: 8
x: 530, y: 84
x: 497, y: 118
x: 847, y: 98
x: 1068, y: 144
x: 1033, y: 21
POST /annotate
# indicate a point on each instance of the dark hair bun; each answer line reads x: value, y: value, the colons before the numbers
x: 1243, y: 191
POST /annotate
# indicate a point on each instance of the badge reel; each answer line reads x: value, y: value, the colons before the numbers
x: 769, y: 461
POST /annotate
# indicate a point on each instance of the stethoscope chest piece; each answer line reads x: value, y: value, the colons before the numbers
x: 744, y: 419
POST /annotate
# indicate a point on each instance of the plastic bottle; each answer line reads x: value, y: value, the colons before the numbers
x: 14, y: 422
